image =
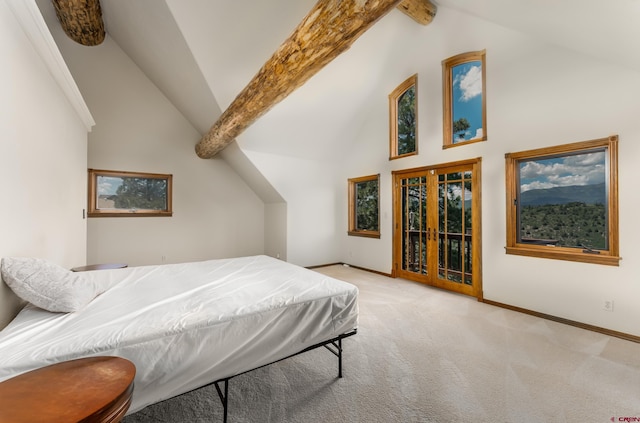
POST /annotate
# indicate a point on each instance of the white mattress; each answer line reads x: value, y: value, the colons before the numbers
x: 186, y: 325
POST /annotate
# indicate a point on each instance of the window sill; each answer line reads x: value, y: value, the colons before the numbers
x: 137, y: 213
x: 567, y: 254
x: 366, y: 234
x: 465, y: 142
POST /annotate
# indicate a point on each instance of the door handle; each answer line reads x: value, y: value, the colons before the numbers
x: 429, y: 234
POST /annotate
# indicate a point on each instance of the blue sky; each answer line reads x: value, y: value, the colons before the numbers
x: 578, y: 169
x: 107, y: 185
x: 466, y: 98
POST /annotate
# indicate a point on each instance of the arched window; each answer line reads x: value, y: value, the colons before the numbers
x: 403, y: 107
x: 465, y: 117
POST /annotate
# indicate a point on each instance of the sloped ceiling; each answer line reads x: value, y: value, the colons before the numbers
x: 608, y: 30
x: 201, y: 53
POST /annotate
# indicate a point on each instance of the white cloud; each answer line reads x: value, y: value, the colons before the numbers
x: 536, y: 185
x: 108, y: 185
x: 470, y: 83
x: 582, y: 169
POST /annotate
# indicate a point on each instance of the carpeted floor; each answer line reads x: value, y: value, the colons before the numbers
x: 426, y: 355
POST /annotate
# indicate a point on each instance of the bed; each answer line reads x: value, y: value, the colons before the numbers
x: 186, y: 325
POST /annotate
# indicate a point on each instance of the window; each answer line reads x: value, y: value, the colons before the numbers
x: 403, y: 109
x: 562, y: 202
x: 465, y: 118
x: 364, y: 193
x: 129, y: 194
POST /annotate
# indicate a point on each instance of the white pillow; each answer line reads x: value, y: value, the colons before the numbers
x: 47, y: 285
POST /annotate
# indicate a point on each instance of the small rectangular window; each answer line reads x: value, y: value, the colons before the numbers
x: 562, y: 202
x: 364, y: 206
x: 129, y: 194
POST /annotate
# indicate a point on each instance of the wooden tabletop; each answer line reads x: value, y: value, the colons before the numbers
x: 93, y: 389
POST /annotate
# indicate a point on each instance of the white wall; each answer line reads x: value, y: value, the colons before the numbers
x: 308, y: 187
x: 42, y: 160
x: 215, y: 214
x: 537, y: 95
x: 275, y: 208
x: 275, y: 230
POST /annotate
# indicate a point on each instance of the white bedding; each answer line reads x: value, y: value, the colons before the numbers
x: 186, y: 325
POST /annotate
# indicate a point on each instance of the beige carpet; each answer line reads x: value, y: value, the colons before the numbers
x: 426, y: 355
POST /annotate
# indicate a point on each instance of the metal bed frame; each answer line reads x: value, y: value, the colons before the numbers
x: 334, y: 345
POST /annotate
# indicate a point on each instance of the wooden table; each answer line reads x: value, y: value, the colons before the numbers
x: 99, y: 267
x: 93, y: 389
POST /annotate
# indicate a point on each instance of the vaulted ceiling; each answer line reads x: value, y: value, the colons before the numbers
x: 202, y: 53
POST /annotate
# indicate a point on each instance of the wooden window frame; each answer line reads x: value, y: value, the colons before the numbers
x: 447, y: 88
x: 95, y: 211
x: 412, y: 81
x: 610, y: 256
x: 353, y: 230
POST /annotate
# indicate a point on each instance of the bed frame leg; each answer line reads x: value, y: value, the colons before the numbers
x: 337, y: 351
x: 224, y: 397
x: 340, y: 358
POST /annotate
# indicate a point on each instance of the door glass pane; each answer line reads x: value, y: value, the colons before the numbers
x: 467, y: 229
x: 414, y: 224
x: 454, y: 226
x: 454, y: 230
x: 441, y: 222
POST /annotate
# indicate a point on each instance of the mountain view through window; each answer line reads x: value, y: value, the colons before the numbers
x: 563, y: 201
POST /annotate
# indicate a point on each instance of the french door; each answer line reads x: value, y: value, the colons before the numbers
x: 437, y: 226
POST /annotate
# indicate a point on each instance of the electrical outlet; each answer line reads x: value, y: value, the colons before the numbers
x: 164, y: 259
x: 607, y: 305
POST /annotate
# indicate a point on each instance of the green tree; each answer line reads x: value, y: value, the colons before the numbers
x: 367, y: 206
x: 573, y: 224
x: 460, y: 127
x: 457, y: 211
x: 141, y: 193
x: 407, y: 122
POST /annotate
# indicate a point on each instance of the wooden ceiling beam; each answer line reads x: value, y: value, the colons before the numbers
x: 421, y: 11
x: 329, y: 29
x: 81, y: 20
